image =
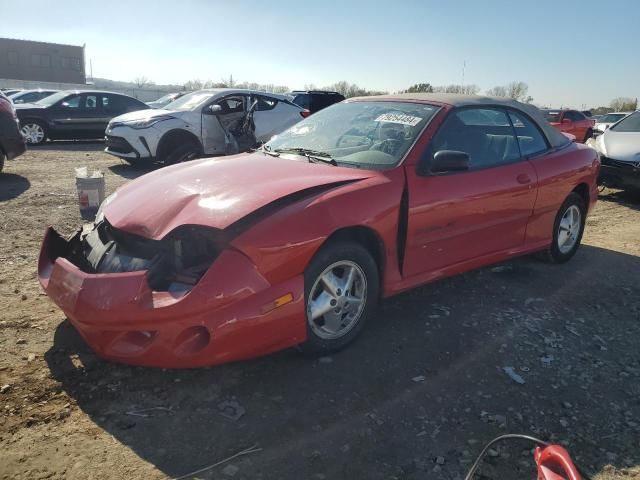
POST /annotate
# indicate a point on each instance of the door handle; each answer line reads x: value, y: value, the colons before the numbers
x: 523, y: 179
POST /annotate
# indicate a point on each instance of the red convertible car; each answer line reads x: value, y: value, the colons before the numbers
x: 572, y: 122
x: 224, y: 259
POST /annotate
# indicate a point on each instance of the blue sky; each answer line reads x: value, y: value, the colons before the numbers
x: 570, y: 52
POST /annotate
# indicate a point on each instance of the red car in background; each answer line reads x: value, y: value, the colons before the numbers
x: 572, y: 122
x: 224, y: 259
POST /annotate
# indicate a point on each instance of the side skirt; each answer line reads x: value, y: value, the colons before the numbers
x: 461, y: 267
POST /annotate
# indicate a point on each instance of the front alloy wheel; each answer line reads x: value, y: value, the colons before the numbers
x: 337, y: 300
x: 341, y: 290
x: 567, y: 229
x: 33, y: 133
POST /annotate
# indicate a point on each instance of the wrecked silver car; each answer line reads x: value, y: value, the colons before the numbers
x: 221, y: 121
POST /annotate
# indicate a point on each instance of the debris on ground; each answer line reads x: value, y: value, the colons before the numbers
x: 511, y: 372
x: 231, y: 409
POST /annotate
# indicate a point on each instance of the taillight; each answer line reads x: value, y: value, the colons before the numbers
x: 305, y: 113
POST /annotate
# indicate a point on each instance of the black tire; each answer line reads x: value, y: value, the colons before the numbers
x: 329, y: 255
x: 554, y: 254
x: 39, y: 124
x: 183, y: 153
x: 588, y: 135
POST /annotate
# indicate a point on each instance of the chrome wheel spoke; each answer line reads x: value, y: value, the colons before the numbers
x: 349, y: 278
x: 331, y: 283
x: 333, y: 322
x: 320, y: 305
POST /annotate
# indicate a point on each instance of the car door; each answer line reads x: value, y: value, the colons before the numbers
x: 459, y: 216
x: 217, y: 127
x: 75, y: 116
x: 273, y: 116
x: 576, y: 127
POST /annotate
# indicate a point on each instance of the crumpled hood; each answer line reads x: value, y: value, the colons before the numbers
x: 623, y: 146
x: 216, y: 192
x: 140, y: 115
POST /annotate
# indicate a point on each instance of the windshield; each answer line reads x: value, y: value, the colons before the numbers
x: 50, y: 100
x: 372, y: 134
x: 189, y: 101
x: 552, y: 116
x: 612, y: 117
x: 628, y: 124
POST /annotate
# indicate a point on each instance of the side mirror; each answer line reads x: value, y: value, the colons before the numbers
x: 449, y: 161
x: 214, y: 109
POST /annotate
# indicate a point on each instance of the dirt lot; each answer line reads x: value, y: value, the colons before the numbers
x: 415, y: 397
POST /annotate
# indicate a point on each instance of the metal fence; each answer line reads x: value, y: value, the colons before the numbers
x: 143, y: 94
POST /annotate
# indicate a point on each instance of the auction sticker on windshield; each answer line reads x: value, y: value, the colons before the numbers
x: 399, y: 118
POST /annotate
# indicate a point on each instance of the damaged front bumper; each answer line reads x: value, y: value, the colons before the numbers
x: 618, y: 174
x: 228, y: 314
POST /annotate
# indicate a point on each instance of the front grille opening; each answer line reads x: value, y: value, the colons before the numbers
x: 177, y: 262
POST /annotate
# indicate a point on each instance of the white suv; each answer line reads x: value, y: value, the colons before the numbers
x: 220, y: 121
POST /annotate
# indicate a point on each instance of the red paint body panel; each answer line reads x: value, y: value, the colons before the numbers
x: 275, y: 214
x: 215, y: 192
x: 228, y: 302
x: 578, y: 129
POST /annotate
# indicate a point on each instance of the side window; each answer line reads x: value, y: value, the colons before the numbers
x: 233, y: 104
x: 266, y: 103
x: 530, y: 139
x: 71, y: 102
x: 90, y: 102
x: 574, y: 116
x: 303, y: 100
x: 485, y: 134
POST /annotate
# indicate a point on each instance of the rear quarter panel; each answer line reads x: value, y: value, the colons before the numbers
x: 559, y: 173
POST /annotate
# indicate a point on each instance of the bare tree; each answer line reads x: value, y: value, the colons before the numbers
x: 623, y: 104
x: 194, y: 84
x: 515, y: 90
x: 497, y: 92
x: 518, y: 91
x: 420, y: 88
x: 455, y: 88
x: 142, y: 82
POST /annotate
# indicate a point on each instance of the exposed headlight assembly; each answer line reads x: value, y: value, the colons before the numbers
x: 105, y: 202
x: 177, y: 261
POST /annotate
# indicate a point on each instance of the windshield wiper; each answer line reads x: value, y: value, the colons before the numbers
x: 314, y: 156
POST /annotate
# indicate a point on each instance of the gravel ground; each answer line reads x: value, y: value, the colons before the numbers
x: 415, y: 397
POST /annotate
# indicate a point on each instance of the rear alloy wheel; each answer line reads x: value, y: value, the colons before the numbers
x: 34, y: 133
x: 567, y: 229
x: 341, y: 290
x: 183, y: 153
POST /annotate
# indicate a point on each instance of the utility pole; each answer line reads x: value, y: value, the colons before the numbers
x: 464, y: 67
